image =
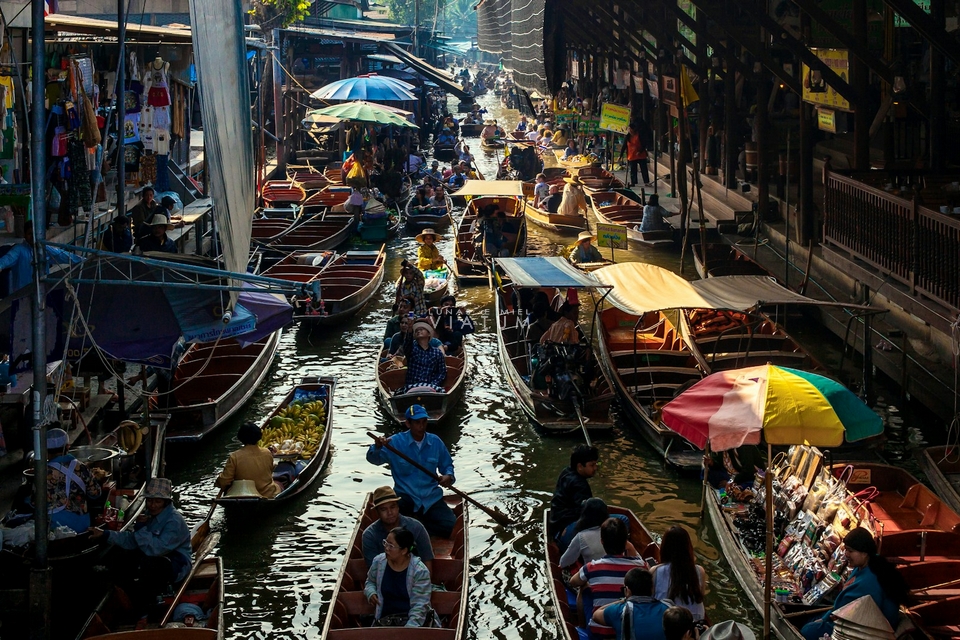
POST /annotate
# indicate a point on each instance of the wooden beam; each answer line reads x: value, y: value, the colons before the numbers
x: 718, y: 48
x: 935, y: 34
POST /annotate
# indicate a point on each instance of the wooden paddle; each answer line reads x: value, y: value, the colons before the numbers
x: 208, y: 544
x: 501, y: 518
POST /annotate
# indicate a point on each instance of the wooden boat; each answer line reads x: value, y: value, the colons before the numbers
x: 308, y: 177
x: 421, y: 220
x: 471, y: 268
x: 379, y: 227
x: 471, y: 130
x: 445, y: 152
x: 563, y: 599
x: 572, y: 164
x: 333, y: 172
x: 612, y: 207
x: 724, y: 340
x: 436, y: 285
x: 309, y: 390
x: 491, y: 144
x: 282, y: 192
x: 555, y: 222
x: 391, y: 378
x: 941, y: 465
x: 461, y: 201
x: 725, y: 260
x: 648, y: 362
x: 212, y: 382
x: 330, y: 196
x: 518, y: 136
x: 598, y: 179
x: 112, y: 619
x: 581, y: 394
x: 451, y: 568
x: 318, y: 232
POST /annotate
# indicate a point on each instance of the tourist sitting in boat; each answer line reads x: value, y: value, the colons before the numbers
x: 738, y: 466
x: 678, y: 624
x: 571, y: 149
x: 539, y: 322
x: 426, y: 363
x: 450, y: 324
x: 586, y: 545
x: 572, y: 489
x: 533, y: 135
x: 466, y: 157
x: 118, y: 238
x: 156, y: 553
x: 428, y: 255
x: 605, y: 576
x: 438, y: 202
x: 414, y: 162
x: 585, y: 252
x: 546, y: 140
x: 401, y: 343
x: 449, y: 122
x: 489, y: 131
x: 421, y: 495
x: 457, y: 178
x: 411, y: 286
x: 387, y: 504
x: 540, y: 189
x: 421, y: 202
x: 564, y: 330
x: 434, y: 174
x: 678, y: 577
x: 654, y: 215
x: 157, y: 240
x: 873, y: 576
x: 250, y: 462
x: 427, y: 186
x: 522, y: 124
x: 401, y: 309
x: 470, y: 118
x: 574, y: 202
x: 70, y: 484
x: 446, y: 139
x: 553, y: 200
x: 398, y: 584
x: 638, y: 615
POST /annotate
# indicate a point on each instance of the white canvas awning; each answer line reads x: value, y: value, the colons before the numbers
x: 491, y: 188
x: 639, y: 288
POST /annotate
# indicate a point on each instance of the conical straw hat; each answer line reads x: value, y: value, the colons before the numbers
x: 863, y: 616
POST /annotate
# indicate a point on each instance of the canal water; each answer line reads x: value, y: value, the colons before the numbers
x: 281, y: 567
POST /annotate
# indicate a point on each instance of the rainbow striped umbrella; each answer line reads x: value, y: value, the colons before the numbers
x: 774, y: 404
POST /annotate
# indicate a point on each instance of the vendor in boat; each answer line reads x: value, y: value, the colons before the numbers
x: 872, y: 576
x: 411, y: 286
x: 421, y: 496
x: 654, y: 216
x: 156, y: 553
x: 565, y: 330
x: 571, y: 149
x: 560, y: 138
x: 638, y: 615
x: 428, y: 256
x: 157, y: 241
x: 438, y: 202
x: 446, y: 139
x: 398, y: 583
x: 250, y: 462
x: 489, y: 131
x: 70, y: 484
x: 738, y: 466
x: 387, y: 505
x: 574, y: 202
x: 426, y: 363
x: 355, y: 203
x: 573, y: 488
x: 401, y: 309
x: 553, y: 200
x: 584, y: 251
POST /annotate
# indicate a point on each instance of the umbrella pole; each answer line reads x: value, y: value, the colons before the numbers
x: 703, y: 488
x: 768, y: 555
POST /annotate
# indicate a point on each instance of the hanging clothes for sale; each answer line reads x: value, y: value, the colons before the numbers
x: 146, y: 128
x: 79, y: 190
x: 157, y: 91
x: 148, y: 168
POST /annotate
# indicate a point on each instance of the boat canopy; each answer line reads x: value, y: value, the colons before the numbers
x: 547, y: 272
x: 490, y: 188
x: 639, y: 288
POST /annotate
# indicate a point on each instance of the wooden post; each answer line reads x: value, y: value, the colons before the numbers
x: 731, y: 137
x: 937, y: 102
x: 861, y: 78
x: 763, y: 163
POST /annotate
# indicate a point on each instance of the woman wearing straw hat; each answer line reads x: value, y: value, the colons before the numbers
x: 872, y: 576
x: 158, y: 240
x: 585, y: 251
x: 428, y: 256
x: 573, y: 202
x: 489, y: 131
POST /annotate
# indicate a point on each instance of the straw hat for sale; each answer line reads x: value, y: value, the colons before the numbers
x: 242, y: 489
x: 421, y: 238
x: 585, y: 235
x: 728, y: 630
x: 861, y: 620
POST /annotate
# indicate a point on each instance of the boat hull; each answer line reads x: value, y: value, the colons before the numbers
x: 346, y: 287
x: 438, y: 405
x: 554, y: 221
x: 471, y: 269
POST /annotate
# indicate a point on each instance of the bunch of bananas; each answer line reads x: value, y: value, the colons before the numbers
x: 296, y: 429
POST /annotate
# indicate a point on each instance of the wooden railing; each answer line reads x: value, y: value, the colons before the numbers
x: 902, y: 239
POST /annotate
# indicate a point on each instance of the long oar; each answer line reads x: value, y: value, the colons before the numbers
x: 501, y: 518
x: 204, y: 550
x: 583, y: 422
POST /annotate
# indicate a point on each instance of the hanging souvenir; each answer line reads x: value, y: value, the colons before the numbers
x: 131, y: 128
x: 158, y: 94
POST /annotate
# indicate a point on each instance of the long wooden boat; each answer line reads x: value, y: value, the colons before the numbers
x: 544, y: 408
x: 598, y: 179
x: 212, y: 382
x: 612, y: 207
x: 329, y: 196
x: 941, y: 465
x: 573, y: 164
x: 555, y: 222
x: 112, y: 619
x: 724, y: 340
x: 445, y: 152
x: 420, y: 220
x: 276, y: 192
x: 648, y: 362
x: 308, y: 177
x: 435, y: 286
x: 563, y: 599
x: 471, y: 130
x: 725, y: 260
x: 492, y: 144
x: 471, y: 268
x: 451, y: 568
x: 318, y: 232
x: 391, y: 378
x: 308, y: 447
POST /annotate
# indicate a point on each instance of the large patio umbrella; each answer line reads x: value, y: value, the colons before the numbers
x: 361, y: 111
x: 776, y: 405
x: 369, y: 87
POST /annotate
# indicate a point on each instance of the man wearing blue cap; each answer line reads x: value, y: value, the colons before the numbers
x: 421, y: 496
